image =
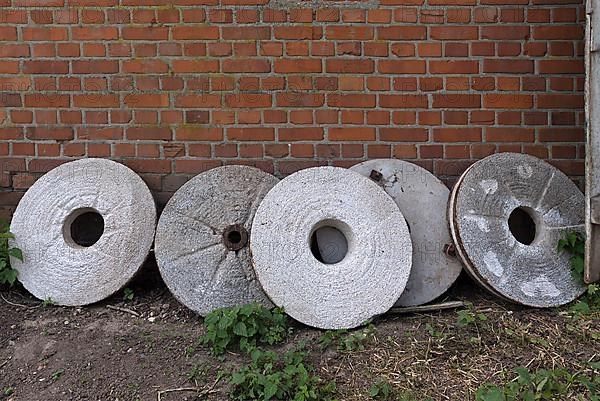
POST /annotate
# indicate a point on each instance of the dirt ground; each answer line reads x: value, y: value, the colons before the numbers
x: 52, y: 353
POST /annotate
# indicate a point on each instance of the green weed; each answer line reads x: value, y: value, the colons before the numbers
x: 8, y: 275
x: 574, y: 244
x: 469, y: 317
x: 272, y: 377
x: 548, y: 385
x: 244, y: 326
x: 348, y: 341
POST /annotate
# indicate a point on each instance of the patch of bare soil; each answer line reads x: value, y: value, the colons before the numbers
x: 52, y: 353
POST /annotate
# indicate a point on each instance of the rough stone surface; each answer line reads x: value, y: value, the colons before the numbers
x: 55, y: 267
x: 366, y: 282
x: 460, y: 252
x: 192, y: 256
x: 422, y: 199
x: 535, y: 274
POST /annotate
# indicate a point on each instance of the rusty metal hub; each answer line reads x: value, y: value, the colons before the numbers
x: 235, y: 237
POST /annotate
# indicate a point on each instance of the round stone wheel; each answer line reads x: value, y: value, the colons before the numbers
x: 202, y: 236
x: 508, y: 213
x: 85, y: 229
x: 371, y: 275
x: 422, y: 198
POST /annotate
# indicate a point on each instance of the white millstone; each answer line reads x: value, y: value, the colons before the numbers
x: 422, y: 199
x: 488, y: 192
x: 371, y: 276
x: 55, y: 266
x: 193, y: 254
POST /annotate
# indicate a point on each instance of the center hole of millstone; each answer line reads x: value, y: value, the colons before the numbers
x: 235, y: 237
x: 329, y: 241
x: 522, y: 224
x: 83, y: 227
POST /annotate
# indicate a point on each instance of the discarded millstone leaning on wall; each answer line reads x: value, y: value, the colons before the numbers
x: 507, y: 213
x: 422, y: 199
x: 85, y: 229
x: 370, y: 277
x: 201, y: 244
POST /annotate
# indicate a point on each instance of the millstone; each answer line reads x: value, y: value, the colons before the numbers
x: 85, y: 228
x: 509, y: 211
x: 422, y: 199
x: 202, y: 238
x: 369, y: 278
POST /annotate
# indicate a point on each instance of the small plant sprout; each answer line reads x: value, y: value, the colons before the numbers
x: 469, y: 317
x: 128, y: 294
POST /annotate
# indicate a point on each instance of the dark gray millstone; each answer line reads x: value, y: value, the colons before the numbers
x: 460, y: 253
x: 58, y: 268
x: 371, y: 276
x: 201, y: 270
x: 535, y: 274
x: 422, y: 199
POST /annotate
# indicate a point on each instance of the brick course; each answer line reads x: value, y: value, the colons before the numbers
x: 174, y: 88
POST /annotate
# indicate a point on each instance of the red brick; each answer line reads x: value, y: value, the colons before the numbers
x: 402, y: 66
x: 299, y: 99
x: 517, y: 66
x: 403, y: 101
x: 56, y: 133
x: 94, y: 33
x: 145, y: 33
x: 350, y: 66
x: 185, y: 66
x: 303, y: 65
x: 509, y: 134
x: 145, y: 66
x: 559, y: 101
x: 96, y: 101
x: 149, y: 133
x: 453, y: 32
x: 42, y: 67
x: 453, y: 67
x: 403, y: 134
x: 300, y: 134
x: 351, y: 101
x: 560, y: 32
x: 46, y: 100
x: 560, y: 66
x: 563, y: 134
x: 457, y: 134
x: 456, y: 101
x: 95, y: 66
x: 298, y: 32
x: 251, y: 134
x: 354, y: 32
x: 248, y: 100
x: 199, y: 134
x: 507, y: 101
x: 194, y: 32
x: 246, y: 65
x: 246, y: 33
x: 351, y: 134
x: 505, y: 32
x: 405, y: 32
x: 147, y: 100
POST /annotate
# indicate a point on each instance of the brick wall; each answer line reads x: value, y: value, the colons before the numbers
x: 172, y: 90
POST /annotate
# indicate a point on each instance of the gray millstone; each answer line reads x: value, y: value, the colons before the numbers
x: 57, y: 268
x: 422, y: 199
x: 202, y: 270
x: 371, y: 276
x: 488, y: 192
